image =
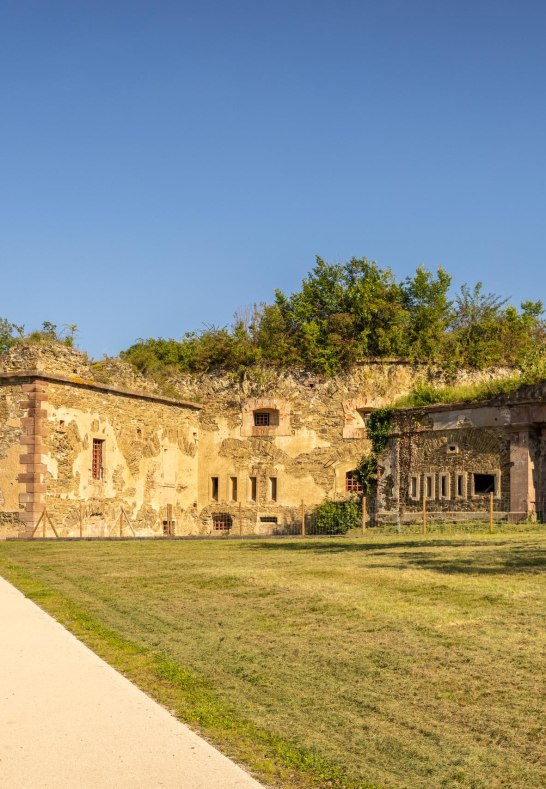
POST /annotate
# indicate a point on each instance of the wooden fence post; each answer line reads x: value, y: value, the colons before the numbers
x: 81, y: 519
x: 302, y: 518
x: 363, y: 514
x: 240, y: 519
x: 121, y: 523
x: 424, y: 512
x: 491, y: 513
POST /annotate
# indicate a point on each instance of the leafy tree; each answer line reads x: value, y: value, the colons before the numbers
x: 9, y: 334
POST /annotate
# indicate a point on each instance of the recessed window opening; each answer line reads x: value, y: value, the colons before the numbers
x: 429, y: 486
x: 233, y: 488
x: 484, y: 484
x: 97, y: 469
x: 443, y: 481
x: 352, y: 483
x: 214, y: 488
x: 452, y: 449
x: 460, y: 486
x: 414, y: 487
x: 273, y: 488
x: 269, y: 519
x: 253, y: 488
x: 222, y: 521
x: 266, y: 417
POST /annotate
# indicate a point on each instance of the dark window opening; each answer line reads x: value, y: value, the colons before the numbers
x: 273, y: 488
x: 444, y: 486
x: 484, y: 483
x: 460, y: 485
x: 266, y: 418
x: 253, y: 488
x: 222, y: 521
x: 97, y: 459
x: 269, y: 519
x: 233, y: 488
x: 214, y: 488
x: 352, y: 484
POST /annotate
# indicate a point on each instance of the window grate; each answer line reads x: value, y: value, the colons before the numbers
x: 352, y: 484
x: 262, y: 418
x: 222, y: 521
x: 96, y: 460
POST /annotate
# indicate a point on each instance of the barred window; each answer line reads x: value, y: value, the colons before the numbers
x: 97, y: 458
x: 352, y: 483
x: 222, y: 521
x: 262, y: 418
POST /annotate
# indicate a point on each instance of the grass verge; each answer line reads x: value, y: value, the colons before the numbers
x: 380, y: 661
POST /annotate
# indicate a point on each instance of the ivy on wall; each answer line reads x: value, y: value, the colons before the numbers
x: 379, y: 426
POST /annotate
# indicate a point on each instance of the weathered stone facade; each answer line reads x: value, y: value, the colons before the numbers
x: 456, y: 456
x: 103, y: 451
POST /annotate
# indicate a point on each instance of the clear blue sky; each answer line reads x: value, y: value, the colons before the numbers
x: 164, y: 163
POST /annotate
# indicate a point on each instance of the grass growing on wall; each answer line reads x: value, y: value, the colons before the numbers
x: 378, y: 662
x: 427, y: 394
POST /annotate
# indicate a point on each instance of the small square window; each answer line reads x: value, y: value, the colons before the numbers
x: 352, y: 483
x: 262, y: 418
x: 484, y: 484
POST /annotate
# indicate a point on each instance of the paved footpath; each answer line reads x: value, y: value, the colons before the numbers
x: 70, y: 721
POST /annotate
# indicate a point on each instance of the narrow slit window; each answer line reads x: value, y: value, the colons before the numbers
x: 414, y: 487
x: 214, y: 488
x: 253, y: 488
x: 443, y: 482
x: 429, y: 486
x: 273, y: 488
x: 97, y: 458
x: 233, y: 488
x: 461, y: 486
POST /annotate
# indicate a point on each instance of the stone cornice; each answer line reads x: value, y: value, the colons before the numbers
x: 87, y: 383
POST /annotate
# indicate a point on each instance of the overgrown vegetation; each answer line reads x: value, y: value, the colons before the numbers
x: 377, y: 662
x: 378, y: 426
x: 10, y: 334
x: 355, y: 311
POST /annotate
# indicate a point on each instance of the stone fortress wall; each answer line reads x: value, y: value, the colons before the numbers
x: 247, y: 449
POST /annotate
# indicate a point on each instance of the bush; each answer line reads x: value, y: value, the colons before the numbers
x: 335, y: 517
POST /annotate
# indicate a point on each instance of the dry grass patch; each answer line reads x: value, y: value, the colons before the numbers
x: 386, y: 661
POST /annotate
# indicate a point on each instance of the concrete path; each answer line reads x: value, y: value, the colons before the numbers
x: 68, y: 720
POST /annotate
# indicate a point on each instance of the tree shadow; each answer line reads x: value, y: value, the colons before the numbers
x: 498, y: 559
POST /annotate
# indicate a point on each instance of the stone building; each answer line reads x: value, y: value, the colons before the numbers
x: 94, y: 449
x: 457, y: 455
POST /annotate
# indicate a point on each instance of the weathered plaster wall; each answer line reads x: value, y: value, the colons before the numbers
x: 320, y: 436
x: 149, y: 461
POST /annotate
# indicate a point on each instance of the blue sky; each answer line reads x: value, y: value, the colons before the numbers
x: 165, y: 163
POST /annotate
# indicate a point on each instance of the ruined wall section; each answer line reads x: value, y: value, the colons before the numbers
x: 436, y: 454
x: 149, y: 462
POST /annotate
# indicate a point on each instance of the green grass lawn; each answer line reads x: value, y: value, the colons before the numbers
x: 379, y: 662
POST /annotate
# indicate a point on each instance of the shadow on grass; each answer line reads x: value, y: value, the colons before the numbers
x: 500, y: 558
